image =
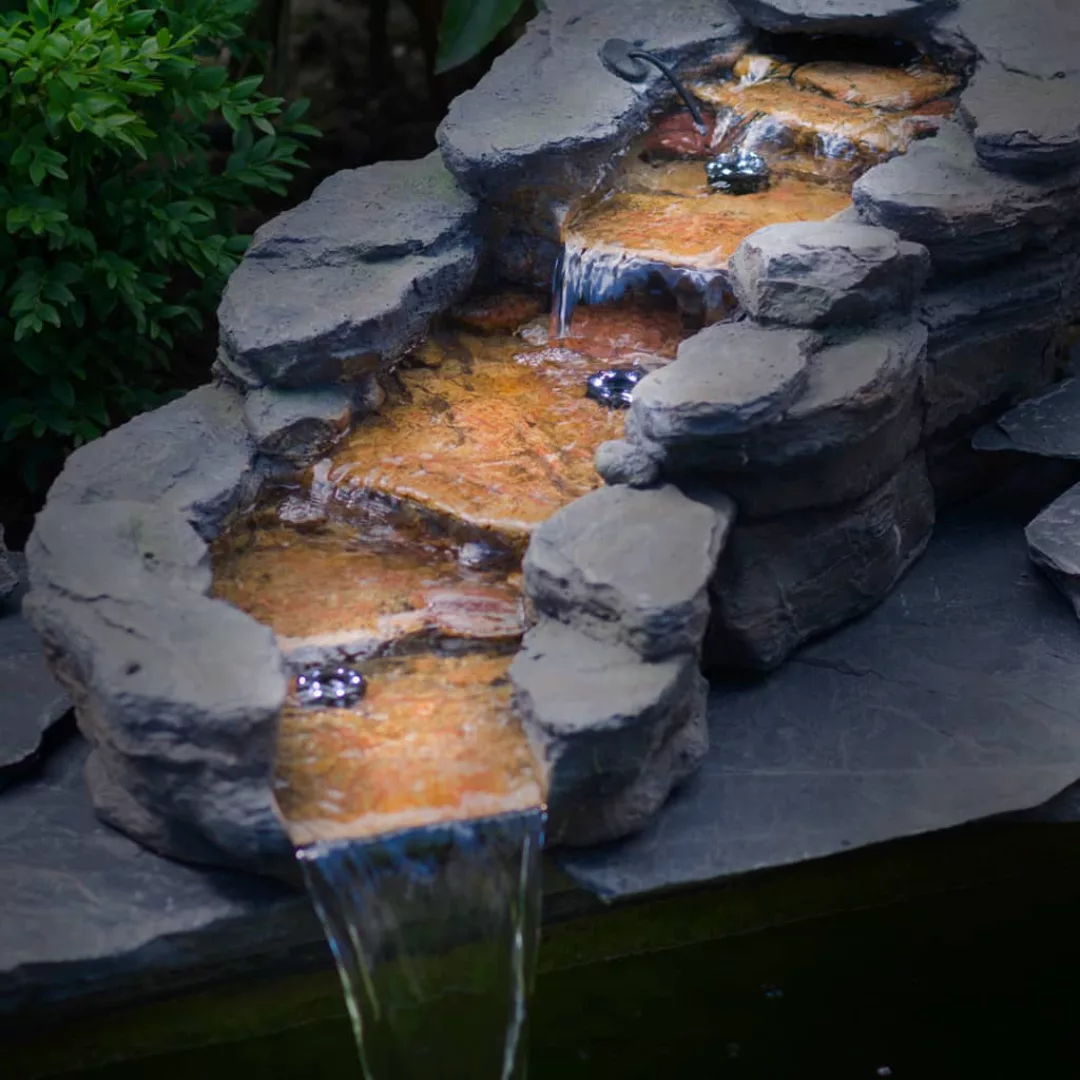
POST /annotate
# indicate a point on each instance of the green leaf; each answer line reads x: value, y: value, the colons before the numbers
x: 295, y: 111
x: 137, y: 22
x: 246, y: 87
x: 63, y: 391
x: 468, y: 27
x: 16, y: 424
x: 209, y: 78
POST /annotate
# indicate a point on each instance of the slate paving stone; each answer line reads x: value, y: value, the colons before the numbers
x: 957, y: 699
x: 1047, y: 425
x: 31, y: 702
x: 83, y: 909
x: 1054, y: 544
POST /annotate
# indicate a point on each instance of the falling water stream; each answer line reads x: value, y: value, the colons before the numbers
x: 434, y: 932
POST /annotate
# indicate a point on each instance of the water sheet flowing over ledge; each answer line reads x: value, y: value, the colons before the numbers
x: 435, y: 932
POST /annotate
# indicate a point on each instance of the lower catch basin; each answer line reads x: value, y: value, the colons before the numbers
x: 433, y: 740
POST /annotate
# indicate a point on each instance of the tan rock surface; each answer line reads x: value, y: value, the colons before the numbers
x: 490, y: 439
x: 702, y: 232
x: 894, y: 89
x: 434, y: 739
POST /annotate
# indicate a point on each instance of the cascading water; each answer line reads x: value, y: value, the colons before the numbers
x: 602, y: 273
x: 435, y: 932
x: 591, y: 274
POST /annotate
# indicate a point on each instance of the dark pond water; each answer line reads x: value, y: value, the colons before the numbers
x: 975, y: 983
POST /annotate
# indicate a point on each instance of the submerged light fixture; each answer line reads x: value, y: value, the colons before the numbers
x: 740, y: 172
x: 613, y: 387
x: 341, y: 687
x: 630, y: 62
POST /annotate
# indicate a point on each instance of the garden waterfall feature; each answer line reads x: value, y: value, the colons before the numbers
x: 451, y: 552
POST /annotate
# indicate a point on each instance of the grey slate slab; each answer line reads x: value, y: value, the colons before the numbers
x: 1054, y: 544
x: 957, y: 699
x: 1047, y: 425
x: 83, y: 909
x: 31, y: 702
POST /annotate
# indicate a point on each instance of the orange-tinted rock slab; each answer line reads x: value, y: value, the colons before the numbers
x: 623, y: 332
x: 363, y: 587
x: 503, y: 311
x: 894, y: 89
x: 703, y: 232
x: 434, y: 739
x: 786, y: 118
x: 489, y: 439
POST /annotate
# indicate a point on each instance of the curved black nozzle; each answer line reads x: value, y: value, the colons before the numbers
x: 629, y: 63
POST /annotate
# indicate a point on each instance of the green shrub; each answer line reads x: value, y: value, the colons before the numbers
x: 117, y: 226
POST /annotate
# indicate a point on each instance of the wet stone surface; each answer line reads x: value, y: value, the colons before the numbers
x: 367, y: 585
x: 894, y: 89
x: 485, y: 436
x: 434, y: 739
x: 780, y: 148
x: 700, y: 232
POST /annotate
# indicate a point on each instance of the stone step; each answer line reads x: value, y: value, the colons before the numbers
x: 484, y: 437
x: 365, y: 589
x: 797, y: 129
x: 698, y: 232
x: 631, y: 567
x: 434, y: 739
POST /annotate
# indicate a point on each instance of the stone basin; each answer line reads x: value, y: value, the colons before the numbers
x: 819, y: 127
x: 701, y: 232
x: 434, y: 740
x: 486, y: 436
x: 363, y: 587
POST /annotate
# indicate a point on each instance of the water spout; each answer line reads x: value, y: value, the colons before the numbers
x: 434, y: 932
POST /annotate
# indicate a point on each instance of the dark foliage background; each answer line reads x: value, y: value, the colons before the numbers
x: 373, y: 74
